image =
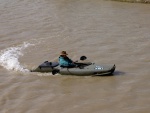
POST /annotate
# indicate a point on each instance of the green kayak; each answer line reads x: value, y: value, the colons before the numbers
x: 82, y: 69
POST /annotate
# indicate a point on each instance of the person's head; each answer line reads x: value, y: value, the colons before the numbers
x: 63, y: 53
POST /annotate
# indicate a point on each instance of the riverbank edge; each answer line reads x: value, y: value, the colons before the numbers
x: 134, y: 1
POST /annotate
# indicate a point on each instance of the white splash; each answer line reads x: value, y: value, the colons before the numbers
x: 9, y: 58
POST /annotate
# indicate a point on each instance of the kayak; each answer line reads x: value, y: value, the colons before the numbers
x: 82, y: 69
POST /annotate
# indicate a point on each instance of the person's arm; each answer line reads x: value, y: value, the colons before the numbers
x: 69, y: 60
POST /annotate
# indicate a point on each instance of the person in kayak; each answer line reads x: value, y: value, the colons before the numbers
x: 65, y: 61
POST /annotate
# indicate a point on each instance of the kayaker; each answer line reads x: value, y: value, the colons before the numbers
x: 65, y: 61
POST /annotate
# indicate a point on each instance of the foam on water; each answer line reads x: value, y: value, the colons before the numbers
x: 9, y: 58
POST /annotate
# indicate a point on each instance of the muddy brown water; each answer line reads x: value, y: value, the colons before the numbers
x: 106, y: 32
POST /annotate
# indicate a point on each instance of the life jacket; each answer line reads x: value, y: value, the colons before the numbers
x: 65, y: 61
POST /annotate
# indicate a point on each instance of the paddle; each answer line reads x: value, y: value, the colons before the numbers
x: 83, y: 58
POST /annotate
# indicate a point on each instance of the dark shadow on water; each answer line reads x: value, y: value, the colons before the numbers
x: 118, y: 73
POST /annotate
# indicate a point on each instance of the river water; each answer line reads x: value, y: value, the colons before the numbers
x: 32, y: 31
